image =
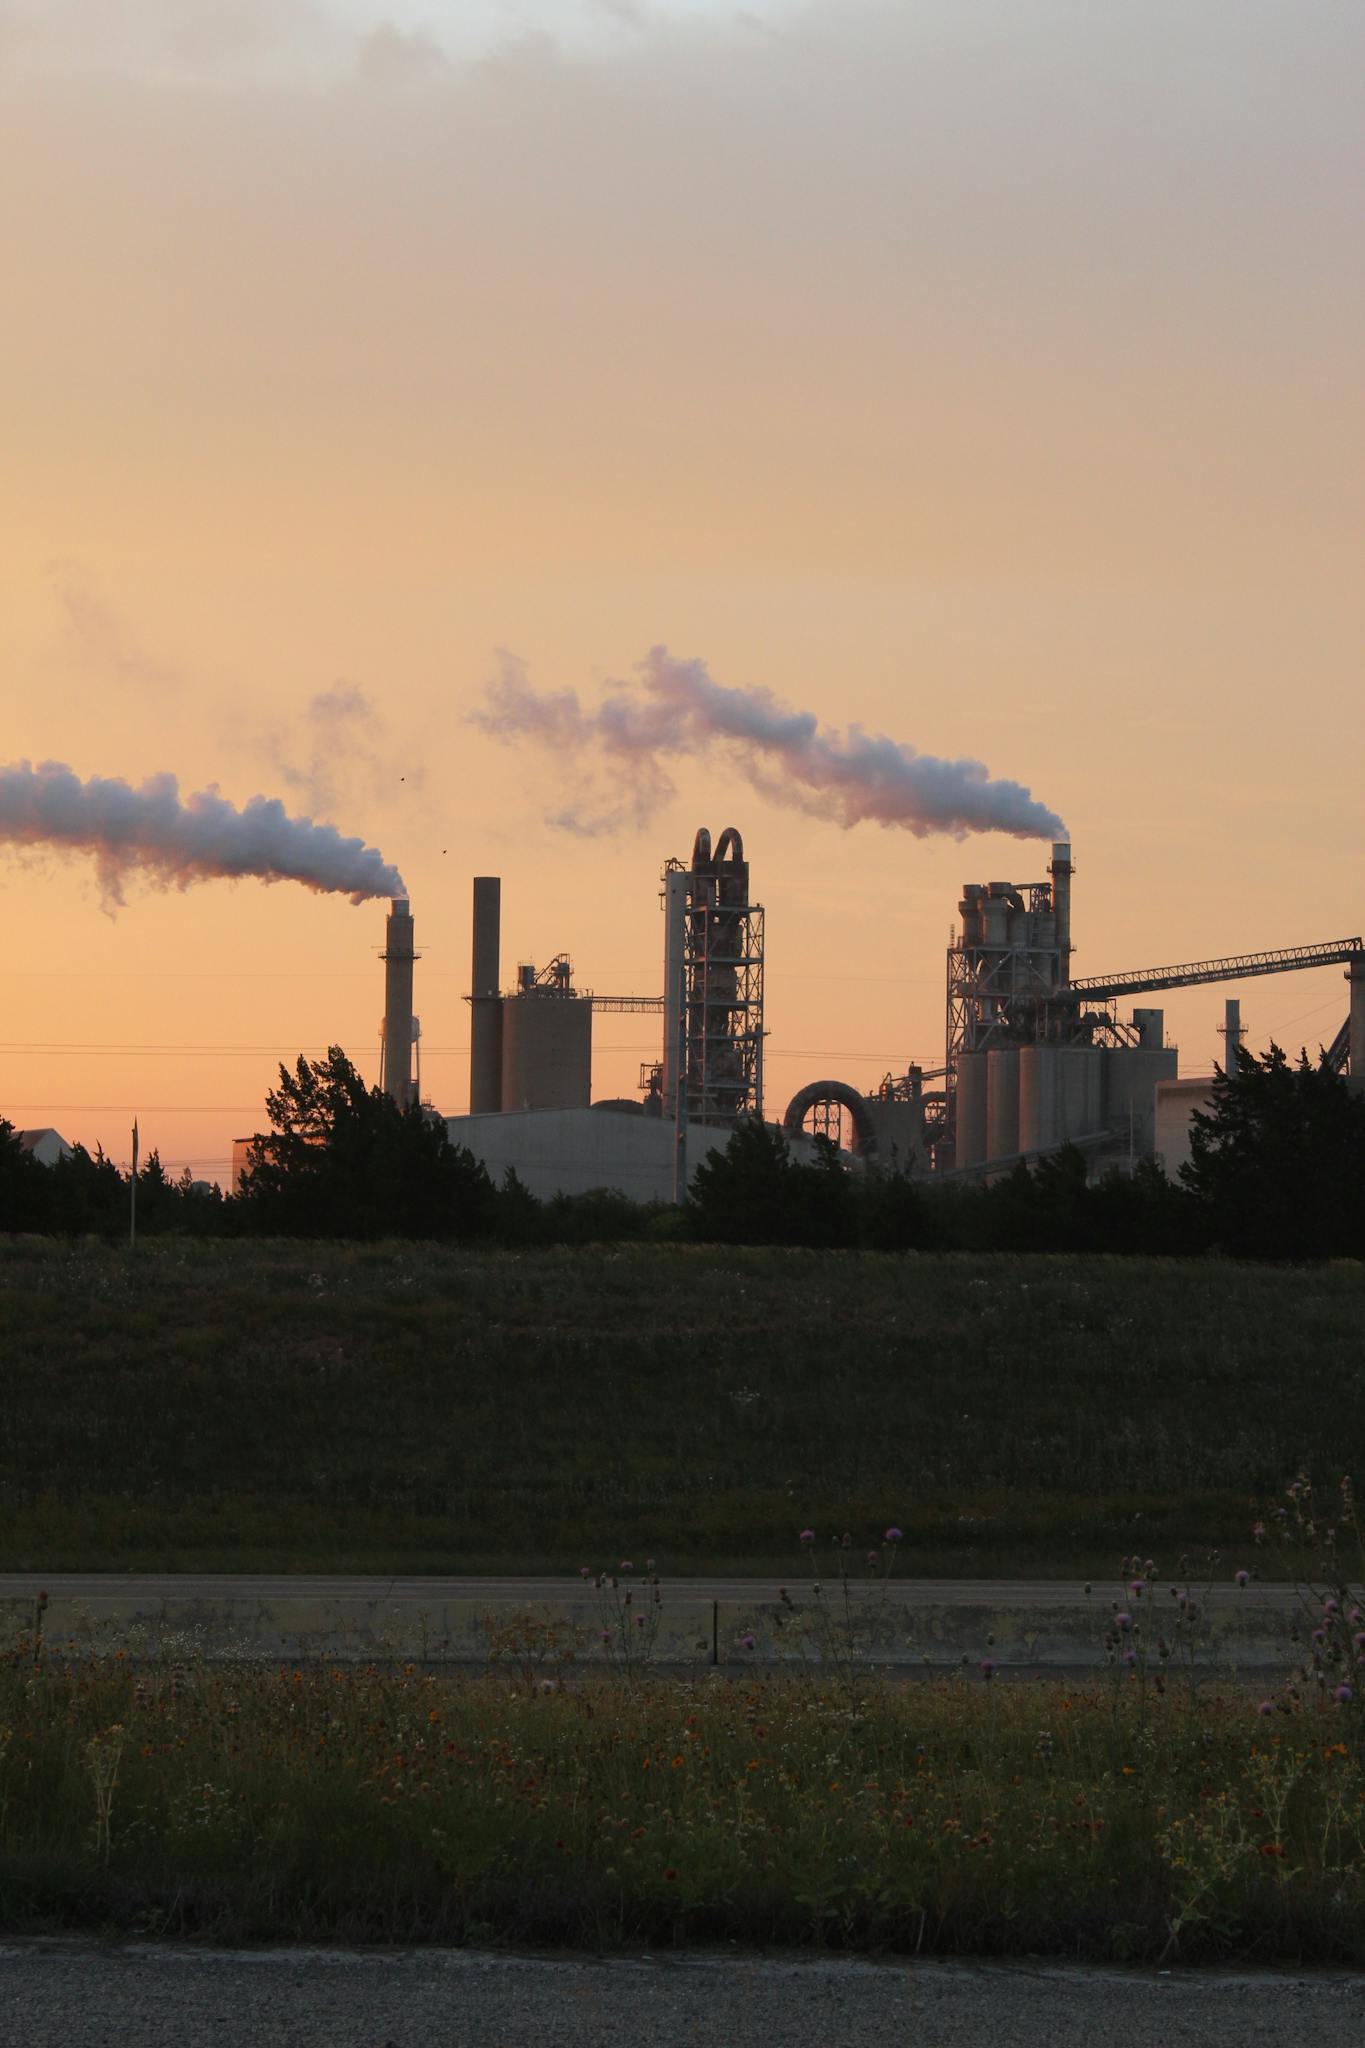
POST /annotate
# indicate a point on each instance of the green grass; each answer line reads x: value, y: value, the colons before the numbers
x: 1110, y: 1823
x: 276, y: 1407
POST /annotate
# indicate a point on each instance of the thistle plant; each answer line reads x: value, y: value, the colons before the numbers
x: 1319, y: 1546
x: 630, y: 1612
x: 848, y: 1607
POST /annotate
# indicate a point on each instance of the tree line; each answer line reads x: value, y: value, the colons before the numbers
x: 1277, y: 1171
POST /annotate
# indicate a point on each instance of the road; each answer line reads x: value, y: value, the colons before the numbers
x: 1022, y: 1593
x: 78, y: 1994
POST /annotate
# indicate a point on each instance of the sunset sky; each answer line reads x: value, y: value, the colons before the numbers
x: 983, y: 373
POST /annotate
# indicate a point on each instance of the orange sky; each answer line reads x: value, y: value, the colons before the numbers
x: 985, y: 374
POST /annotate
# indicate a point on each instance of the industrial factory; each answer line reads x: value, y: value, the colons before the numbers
x: 1033, y: 1059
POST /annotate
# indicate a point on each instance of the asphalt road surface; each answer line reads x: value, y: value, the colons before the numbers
x: 319, y: 1586
x: 68, y: 1994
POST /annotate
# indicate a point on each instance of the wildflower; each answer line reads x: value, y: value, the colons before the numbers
x: 872, y: 1557
x: 670, y: 1875
x: 1319, y: 1635
x: 1329, y: 1606
x: 893, y: 1535
x: 1359, y: 1640
x: 1123, y: 1621
x: 748, y: 1642
x: 1136, y: 1588
x: 807, y: 1536
x: 1130, y: 1658
x: 1266, y: 1707
x: 585, y: 1571
x: 1343, y: 1695
x: 988, y: 1668
x: 1273, y: 1849
x: 625, y: 1565
x: 1242, y: 1578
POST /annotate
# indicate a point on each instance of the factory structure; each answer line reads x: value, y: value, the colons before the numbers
x: 1034, y: 1059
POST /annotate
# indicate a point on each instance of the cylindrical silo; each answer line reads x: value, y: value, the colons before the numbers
x: 546, y: 1052
x: 1356, y: 1029
x: 1002, y: 1102
x: 1037, y: 1097
x: 970, y: 1139
x: 485, y: 999
x: 1080, y: 1091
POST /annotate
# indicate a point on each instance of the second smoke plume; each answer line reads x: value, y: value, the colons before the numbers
x: 676, y: 708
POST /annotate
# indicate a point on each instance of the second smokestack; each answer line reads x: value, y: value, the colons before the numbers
x: 485, y: 999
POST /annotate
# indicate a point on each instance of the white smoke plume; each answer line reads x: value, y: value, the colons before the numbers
x: 676, y: 708
x: 153, y: 832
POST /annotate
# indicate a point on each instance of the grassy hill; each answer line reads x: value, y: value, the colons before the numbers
x: 285, y: 1406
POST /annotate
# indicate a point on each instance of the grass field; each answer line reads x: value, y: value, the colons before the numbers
x: 1105, y: 1822
x: 270, y: 1407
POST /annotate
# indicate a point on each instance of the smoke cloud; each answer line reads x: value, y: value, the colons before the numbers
x: 338, y: 753
x: 676, y: 709
x: 153, y: 832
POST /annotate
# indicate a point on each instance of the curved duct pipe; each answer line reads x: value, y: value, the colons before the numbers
x: 814, y: 1092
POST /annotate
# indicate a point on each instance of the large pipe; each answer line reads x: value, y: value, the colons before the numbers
x: 1061, y: 906
x: 1355, y: 976
x: 485, y: 999
x: 399, y: 955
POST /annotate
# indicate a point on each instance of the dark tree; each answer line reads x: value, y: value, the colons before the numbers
x: 88, y: 1195
x: 1277, y: 1162
x: 342, y: 1160
x: 24, y: 1189
x: 743, y: 1195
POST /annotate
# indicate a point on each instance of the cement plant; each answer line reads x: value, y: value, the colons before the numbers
x: 1034, y: 1060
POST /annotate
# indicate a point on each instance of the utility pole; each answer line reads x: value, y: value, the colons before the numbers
x: 132, y: 1192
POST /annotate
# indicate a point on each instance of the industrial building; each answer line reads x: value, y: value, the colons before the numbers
x: 530, y: 1062
x: 1034, y: 1059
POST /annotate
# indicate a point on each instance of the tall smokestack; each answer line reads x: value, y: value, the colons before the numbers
x: 1356, y: 1029
x: 1232, y: 1035
x: 398, y: 958
x: 485, y: 999
x: 1061, y: 906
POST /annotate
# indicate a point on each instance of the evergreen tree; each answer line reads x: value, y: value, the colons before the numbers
x: 1277, y: 1162
x: 342, y: 1160
x: 24, y: 1191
